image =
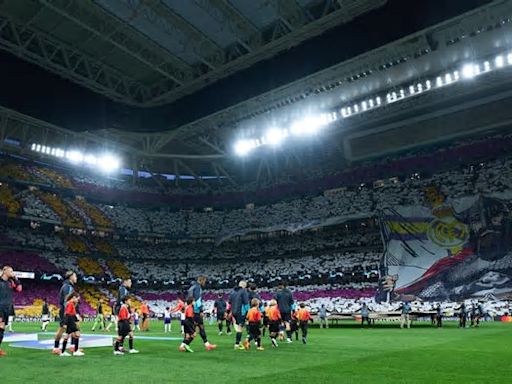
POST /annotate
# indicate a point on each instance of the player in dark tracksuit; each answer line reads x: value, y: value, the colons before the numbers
x: 66, y: 289
x: 220, y: 306
x: 462, y: 316
x: 285, y: 302
x: 8, y: 283
x: 195, y: 292
x: 239, y: 300
x: 121, y: 294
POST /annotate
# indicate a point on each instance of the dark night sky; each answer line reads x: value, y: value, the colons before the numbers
x: 33, y: 91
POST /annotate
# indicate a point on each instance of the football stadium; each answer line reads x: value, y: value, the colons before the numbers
x: 235, y: 191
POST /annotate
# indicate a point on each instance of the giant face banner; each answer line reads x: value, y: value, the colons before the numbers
x: 447, y: 249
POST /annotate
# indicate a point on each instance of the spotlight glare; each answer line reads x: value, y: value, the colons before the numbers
x: 90, y: 159
x: 74, y: 156
x: 499, y: 61
x: 244, y: 146
x: 38, y: 148
x: 33, y: 146
x: 108, y: 163
x: 309, y: 125
x: 468, y: 71
x: 275, y: 136
x: 439, y: 81
x: 509, y: 58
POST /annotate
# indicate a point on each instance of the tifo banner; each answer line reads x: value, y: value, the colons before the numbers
x: 447, y: 249
x: 291, y: 227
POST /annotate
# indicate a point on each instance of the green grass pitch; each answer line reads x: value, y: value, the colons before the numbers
x: 384, y: 354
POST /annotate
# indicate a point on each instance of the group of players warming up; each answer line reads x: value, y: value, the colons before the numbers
x: 244, y: 309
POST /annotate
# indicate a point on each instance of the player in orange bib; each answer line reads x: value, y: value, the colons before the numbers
x: 124, y: 327
x: 274, y: 321
x: 189, y: 327
x: 72, y: 328
x: 303, y: 316
x: 254, y: 318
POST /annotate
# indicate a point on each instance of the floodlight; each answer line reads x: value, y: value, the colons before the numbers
x: 33, y: 146
x: 74, y: 156
x: 509, y: 58
x: 243, y: 147
x: 108, y: 163
x: 499, y: 61
x: 275, y: 136
x: 308, y: 125
x: 90, y: 159
x: 468, y: 71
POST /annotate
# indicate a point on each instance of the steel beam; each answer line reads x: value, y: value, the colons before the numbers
x: 66, y: 61
x: 75, y: 11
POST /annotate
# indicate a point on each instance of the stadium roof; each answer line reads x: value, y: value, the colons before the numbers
x: 152, y: 52
x: 398, y: 42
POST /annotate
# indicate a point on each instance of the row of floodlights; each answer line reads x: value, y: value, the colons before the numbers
x: 106, y: 162
x: 312, y: 125
x: 275, y: 136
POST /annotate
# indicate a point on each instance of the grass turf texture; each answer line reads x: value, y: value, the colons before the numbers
x: 383, y: 354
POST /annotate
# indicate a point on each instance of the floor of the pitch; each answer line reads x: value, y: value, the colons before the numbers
x: 32, y: 341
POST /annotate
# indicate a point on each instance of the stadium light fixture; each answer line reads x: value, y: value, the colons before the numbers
x: 90, y: 159
x: 469, y: 71
x: 275, y: 136
x: 509, y: 59
x: 74, y: 156
x: 499, y: 61
x: 244, y: 146
x: 310, y: 125
x: 108, y: 163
